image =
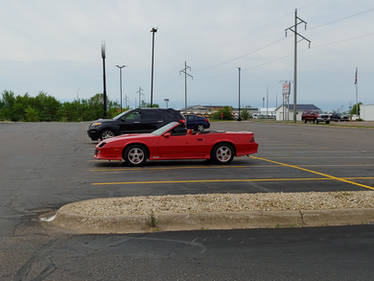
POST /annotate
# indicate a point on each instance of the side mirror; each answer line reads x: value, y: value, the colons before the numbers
x: 189, y: 132
x: 166, y: 135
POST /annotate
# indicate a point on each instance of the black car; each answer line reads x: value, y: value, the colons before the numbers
x: 144, y: 120
x: 196, y: 122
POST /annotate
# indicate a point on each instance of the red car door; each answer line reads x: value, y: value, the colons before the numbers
x: 182, y: 146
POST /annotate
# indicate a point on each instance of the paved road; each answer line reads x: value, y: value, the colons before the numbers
x: 46, y: 165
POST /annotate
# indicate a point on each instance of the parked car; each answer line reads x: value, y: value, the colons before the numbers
x: 310, y: 116
x: 144, y: 120
x: 323, y: 118
x: 335, y: 117
x: 174, y: 141
x: 196, y: 122
x: 344, y: 117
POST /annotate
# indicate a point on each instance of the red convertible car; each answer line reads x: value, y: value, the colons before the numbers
x: 175, y: 142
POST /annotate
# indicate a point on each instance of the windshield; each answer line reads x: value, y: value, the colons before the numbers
x: 119, y: 116
x: 164, y: 129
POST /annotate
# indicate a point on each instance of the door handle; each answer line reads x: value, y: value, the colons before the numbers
x: 200, y: 139
x: 136, y: 122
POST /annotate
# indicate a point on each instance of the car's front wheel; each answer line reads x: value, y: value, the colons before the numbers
x: 223, y: 153
x: 107, y: 133
x: 135, y: 155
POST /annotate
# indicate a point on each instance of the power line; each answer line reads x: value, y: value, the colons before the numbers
x: 243, y: 55
x: 343, y: 18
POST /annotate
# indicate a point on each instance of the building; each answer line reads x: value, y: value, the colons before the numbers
x: 209, y: 109
x: 284, y: 113
x: 367, y: 112
x: 202, y: 109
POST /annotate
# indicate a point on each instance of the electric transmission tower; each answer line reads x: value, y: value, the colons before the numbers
x: 186, y: 75
x: 140, y: 93
x: 296, y: 37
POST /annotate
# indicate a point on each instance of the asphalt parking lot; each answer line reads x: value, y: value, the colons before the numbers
x: 46, y: 165
x: 290, y: 159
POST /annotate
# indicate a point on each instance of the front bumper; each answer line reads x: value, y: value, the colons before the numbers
x: 93, y: 134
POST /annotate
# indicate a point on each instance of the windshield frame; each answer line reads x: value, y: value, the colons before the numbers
x: 164, y: 129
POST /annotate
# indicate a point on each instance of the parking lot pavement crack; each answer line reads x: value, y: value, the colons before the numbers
x: 314, y: 172
x: 302, y: 218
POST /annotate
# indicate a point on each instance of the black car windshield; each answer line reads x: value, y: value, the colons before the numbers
x: 164, y: 129
x: 119, y: 116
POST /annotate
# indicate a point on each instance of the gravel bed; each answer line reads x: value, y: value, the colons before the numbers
x: 209, y: 203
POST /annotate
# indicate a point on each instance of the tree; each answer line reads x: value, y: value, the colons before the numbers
x: 356, y: 109
x: 244, y: 114
x: 224, y: 114
x: 155, y: 105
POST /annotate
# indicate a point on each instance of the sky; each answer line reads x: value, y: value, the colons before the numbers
x: 54, y: 46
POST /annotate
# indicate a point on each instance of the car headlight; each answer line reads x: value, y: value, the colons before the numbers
x: 95, y: 124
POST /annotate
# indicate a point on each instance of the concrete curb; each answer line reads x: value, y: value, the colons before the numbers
x: 71, y: 222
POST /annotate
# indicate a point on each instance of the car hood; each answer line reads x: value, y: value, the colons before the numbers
x: 129, y: 136
x: 102, y: 120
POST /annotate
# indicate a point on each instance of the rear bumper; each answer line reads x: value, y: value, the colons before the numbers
x: 247, y: 149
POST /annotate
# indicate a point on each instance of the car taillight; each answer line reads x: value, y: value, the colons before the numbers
x: 206, y: 119
x: 182, y: 121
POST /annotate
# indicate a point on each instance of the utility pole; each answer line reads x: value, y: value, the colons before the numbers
x: 356, y: 84
x: 296, y: 36
x: 153, y: 30
x: 103, y: 56
x: 267, y: 102
x: 184, y: 71
x: 126, y: 101
x: 239, y: 69
x: 120, y: 80
x: 140, y: 93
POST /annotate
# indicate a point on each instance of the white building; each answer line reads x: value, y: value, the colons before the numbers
x: 367, y: 112
x: 265, y: 113
x: 284, y: 113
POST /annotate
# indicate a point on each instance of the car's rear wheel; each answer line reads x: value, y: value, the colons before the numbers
x: 223, y: 153
x: 200, y: 128
x: 107, y: 133
x: 135, y: 155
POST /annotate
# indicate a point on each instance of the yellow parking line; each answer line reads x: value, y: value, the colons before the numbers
x: 221, y: 167
x: 178, y: 167
x: 223, y: 180
x: 314, y: 172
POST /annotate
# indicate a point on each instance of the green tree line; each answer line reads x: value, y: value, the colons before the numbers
x: 44, y: 107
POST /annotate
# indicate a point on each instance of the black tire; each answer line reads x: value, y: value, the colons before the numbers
x: 107, y: 133
x: 327, y: 122
x: 314, y: 121
x: 305, y: 121
x: 135, y: 155
x: 222, y: 153
x: 317, y: 121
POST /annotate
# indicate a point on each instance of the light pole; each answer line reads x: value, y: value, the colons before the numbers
x: 166, y: 102
x: 153, y: 30
x: 239, y: 69
x: 120, y: 80
x: 103, y: 56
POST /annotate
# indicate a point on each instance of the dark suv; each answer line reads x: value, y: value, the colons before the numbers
x: 144, y: 120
